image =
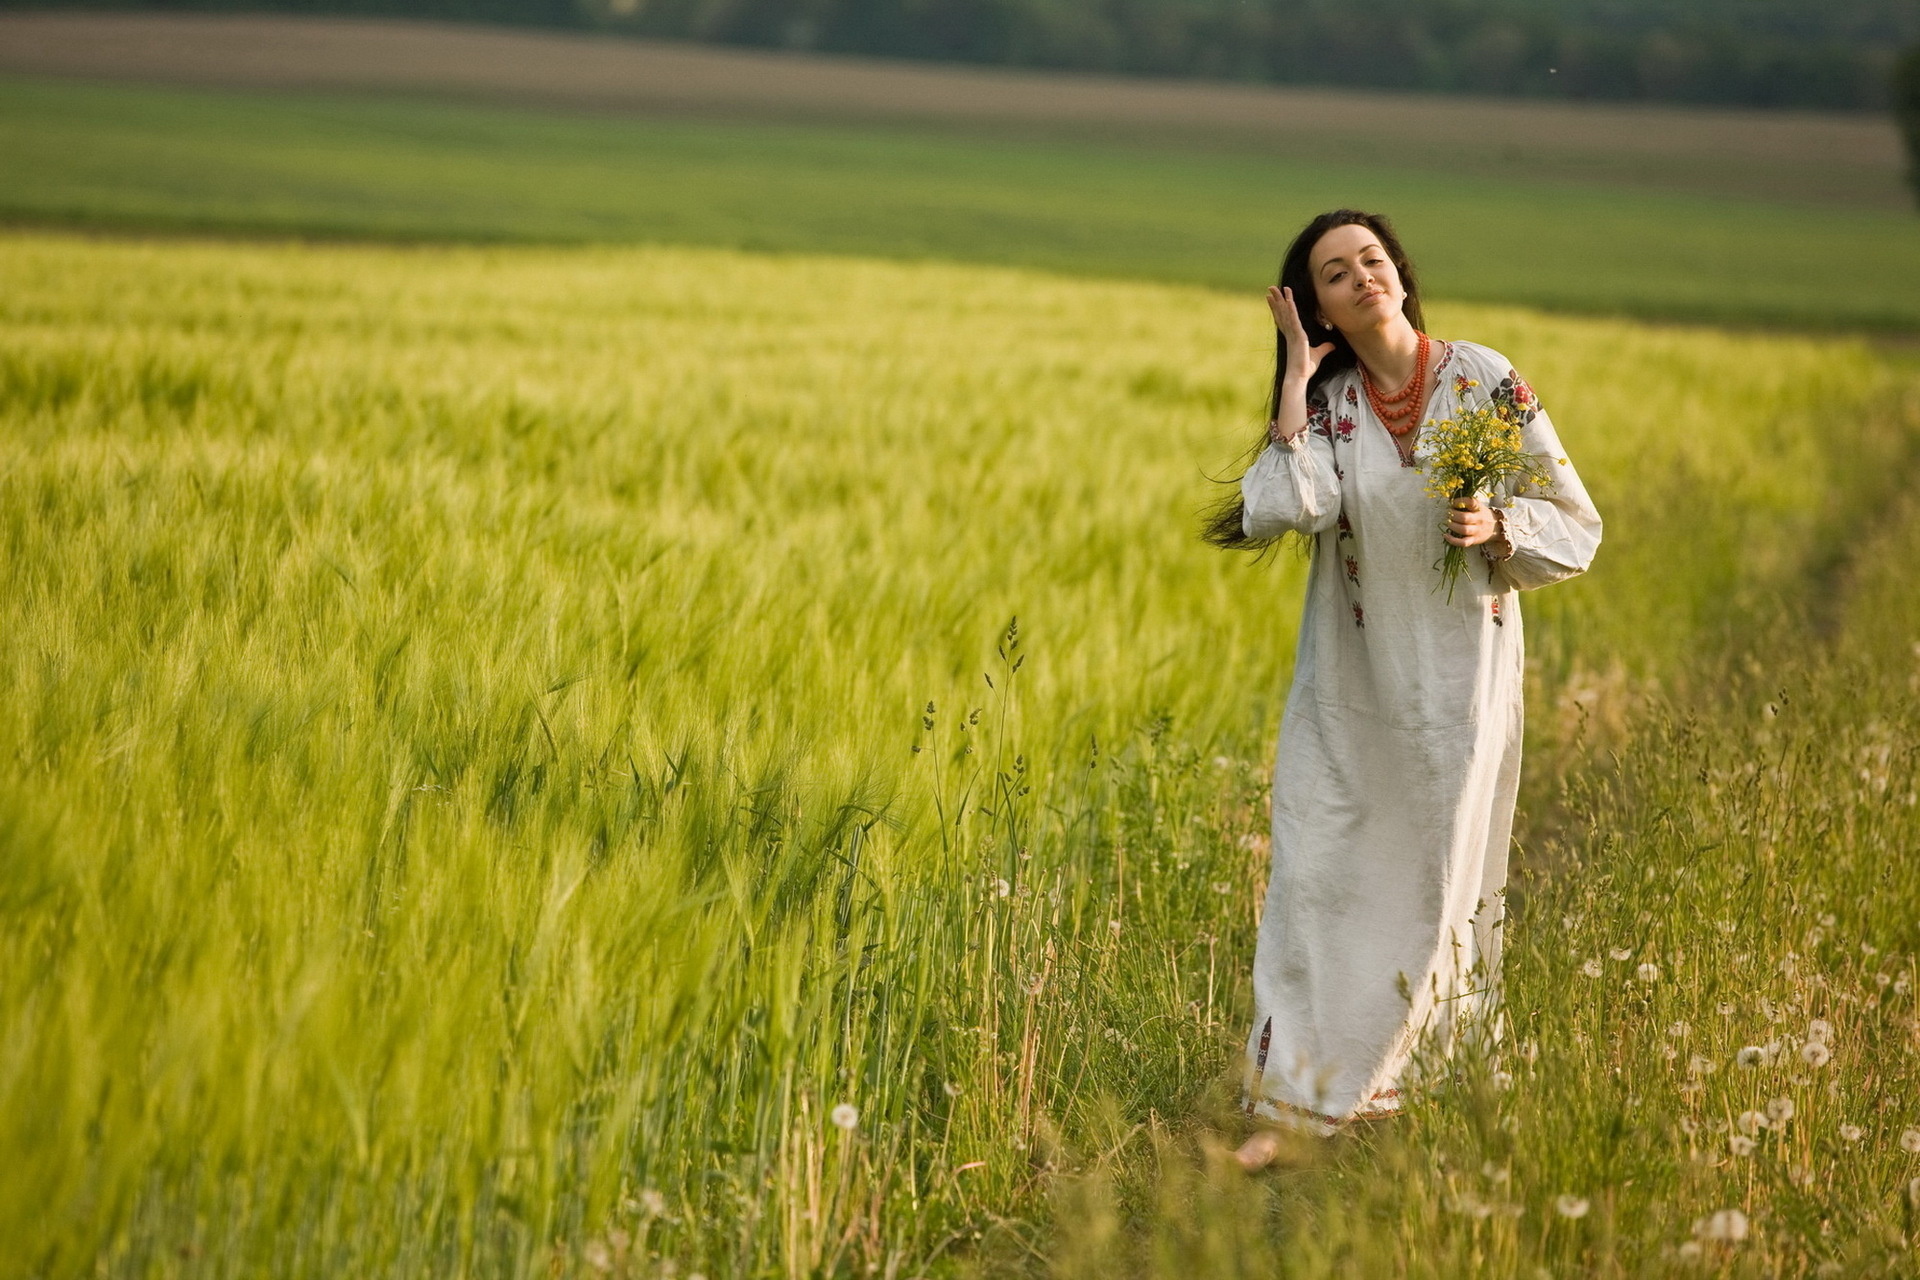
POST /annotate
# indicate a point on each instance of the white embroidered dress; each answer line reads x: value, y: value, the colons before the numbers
x: 1399, y: 752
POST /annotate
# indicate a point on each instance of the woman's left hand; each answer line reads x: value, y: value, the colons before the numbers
x: 1470, y: 523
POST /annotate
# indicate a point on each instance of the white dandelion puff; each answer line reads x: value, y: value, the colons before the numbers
x: 845, y: 1116
x: 1820, y: 1029
x: 1851, y: 1133
x: 1910, y: 1141
x: 598, y: 1256
x: 1679, y: 1030
x: 1751, y: 1122
x: 1001, y: 888
x: 1750, y: 1057
x: 1570, y: 1206
x: 1725, y: 1008
x: 1740, y: 1145
x: 1815, y: 1054
x: 1113, y: 927
x: 1591, y: 968
x: 1648, y: 972
x: 1727, y: 1225
x: 1620, y: 953
x: 1780, y: 1110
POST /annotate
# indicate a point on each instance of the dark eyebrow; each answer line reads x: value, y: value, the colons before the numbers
x: 1330, y: 261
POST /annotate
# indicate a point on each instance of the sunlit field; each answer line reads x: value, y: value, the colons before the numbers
x: 522, y: 762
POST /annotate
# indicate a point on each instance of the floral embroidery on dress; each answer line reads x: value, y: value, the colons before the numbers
x: 1359, y: 615
x: 1353, y: 397
x: 1343, y: 427
x: 1345, y: 526
x: 1353, y: 571
x: 1498, y: 621
x: 1513, y: 393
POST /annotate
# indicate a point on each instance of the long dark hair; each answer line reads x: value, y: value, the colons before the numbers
x: 1223, y: 524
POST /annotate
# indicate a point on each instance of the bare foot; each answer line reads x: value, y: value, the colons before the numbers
x: 1257, y: 1152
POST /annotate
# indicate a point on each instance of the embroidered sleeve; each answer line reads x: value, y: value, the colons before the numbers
x: 1552, y: 530
x: 1292, y: 486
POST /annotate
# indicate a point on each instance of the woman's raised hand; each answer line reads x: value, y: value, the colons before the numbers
x: 1302, y: 360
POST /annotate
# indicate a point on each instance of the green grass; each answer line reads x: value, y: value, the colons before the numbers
x: 117, y: 157
x: 461, y: 812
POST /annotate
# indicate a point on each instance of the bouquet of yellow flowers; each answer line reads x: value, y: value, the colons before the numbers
x: 1470, y: 454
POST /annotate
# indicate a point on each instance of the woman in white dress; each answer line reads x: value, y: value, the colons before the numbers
x: 1399, y: 751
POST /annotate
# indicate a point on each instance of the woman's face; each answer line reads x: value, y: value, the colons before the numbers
x: 1355, y: 285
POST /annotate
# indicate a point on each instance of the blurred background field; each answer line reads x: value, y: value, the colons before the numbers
x: 1749, y: 218
x: 512, y: 729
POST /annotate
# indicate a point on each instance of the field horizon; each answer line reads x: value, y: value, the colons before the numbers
x: 1824, y: 159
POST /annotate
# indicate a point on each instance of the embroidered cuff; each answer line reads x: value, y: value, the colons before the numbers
x: 1499, y: 539
x: 1293, y: 441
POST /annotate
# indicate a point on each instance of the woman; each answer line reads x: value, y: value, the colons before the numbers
x: 1399, y: 752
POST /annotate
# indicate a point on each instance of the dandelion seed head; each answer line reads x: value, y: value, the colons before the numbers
x: 1591, y: 968
x: 598, y: 1256
x: 1910, y: 1141
x: 1780, y: 1110
x: 1648, y: 972
x: 1750, y: 1057
x: 1725, y: 1008
x: 1679, y: 1031
x: 953, y: 1090
x: 1815, y: 1054
x: 1568, y: 1206
x: 1113, y: 927
x: 1619, y: 953
x: 1727, y: 1225
x: 1851, y: 1133
x: 845, y: 1116
x: 1751, y: 1122
x: 1820, y: 1029
x: 1740, y: 1145
x: 1001, y: 888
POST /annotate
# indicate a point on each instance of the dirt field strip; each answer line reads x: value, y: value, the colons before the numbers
x: 1801, y: 157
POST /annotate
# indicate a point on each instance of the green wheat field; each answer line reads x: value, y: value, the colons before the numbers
x: 658, y: 761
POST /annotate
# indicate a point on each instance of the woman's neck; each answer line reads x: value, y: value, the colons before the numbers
x: 1388, y: 352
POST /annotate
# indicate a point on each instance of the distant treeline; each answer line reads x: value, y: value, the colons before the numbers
x: 1767, y: 53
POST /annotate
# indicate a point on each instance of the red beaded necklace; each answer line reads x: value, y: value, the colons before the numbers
x: 1399, y: 413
